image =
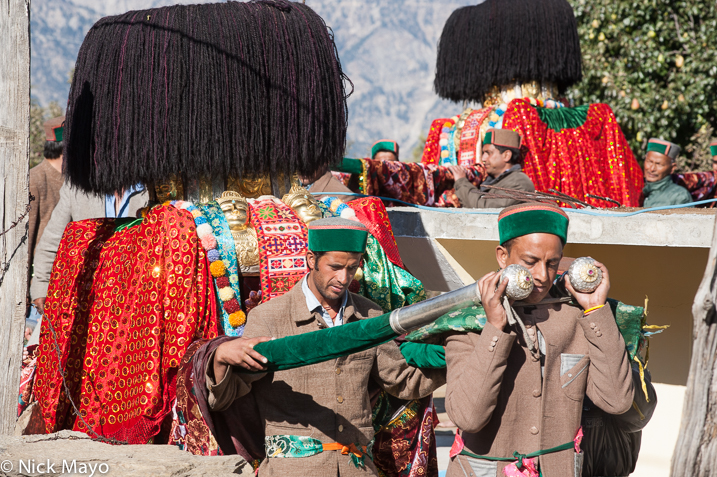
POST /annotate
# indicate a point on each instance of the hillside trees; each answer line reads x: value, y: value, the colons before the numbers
x: 654, y: 63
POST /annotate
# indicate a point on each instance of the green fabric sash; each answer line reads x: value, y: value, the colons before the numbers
x: 519, y: 457
x: 292, y: 446
x: 349, y: 166
x: 324, y: 345
x: 422, y: 355
x: 384, y: 283
x: 300, y: 446
x: 630, y: 321
x: 563, y: 118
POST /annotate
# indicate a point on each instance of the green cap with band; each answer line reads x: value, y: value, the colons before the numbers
x: 661, y: 146
x: 384, y: 145
x: 337, y: 235
x: 713, y: 148
x: 54, y: 129
x: 532, y: 218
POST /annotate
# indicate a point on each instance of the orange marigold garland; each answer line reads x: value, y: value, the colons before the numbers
x: 216, y: 266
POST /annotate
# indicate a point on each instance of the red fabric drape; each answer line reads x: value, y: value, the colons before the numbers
x: 125, y: 306
x: 591, y: 159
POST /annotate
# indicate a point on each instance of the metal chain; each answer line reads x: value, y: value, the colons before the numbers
x: 15, y: 224
x: 99, y: 438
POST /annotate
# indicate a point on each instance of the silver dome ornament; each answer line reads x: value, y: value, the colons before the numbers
x: 585, y: 277
x: 520, y: 282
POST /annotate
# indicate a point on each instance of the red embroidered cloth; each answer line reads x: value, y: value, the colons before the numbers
x: 372, y: 213
x: 702, y: 185
x: 125, y: 306
x: 432, y: 150
x: 406, y: 181
x: 283, y: 242
x: 470, y: 147
x: 591, y: 159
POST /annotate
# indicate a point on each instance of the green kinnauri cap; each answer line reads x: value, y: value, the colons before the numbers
x: 337, y: 235
x: 667, y: 148
x: 713, y: 148
x: 532, y: 218
x: 384, y: 145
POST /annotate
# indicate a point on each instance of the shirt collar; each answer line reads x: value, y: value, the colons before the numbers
x: 313, y: 304
x: 492, y: 180
x: 124, y: 204
x: 659, y: 185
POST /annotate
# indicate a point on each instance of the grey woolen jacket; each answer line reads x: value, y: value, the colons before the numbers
x: 74, y: 205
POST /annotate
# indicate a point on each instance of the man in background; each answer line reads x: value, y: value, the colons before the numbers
x: 45, y: 183
x: 75, y: 205
x: 501, y: 157
x: 659, y: 165
x: 385, y: 150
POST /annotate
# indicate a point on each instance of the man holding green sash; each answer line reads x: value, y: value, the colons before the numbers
x: 517, y: 396
x: 317, y: 418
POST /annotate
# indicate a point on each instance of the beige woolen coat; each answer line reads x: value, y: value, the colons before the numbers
x: 497, y: 398
x: 328, y: 401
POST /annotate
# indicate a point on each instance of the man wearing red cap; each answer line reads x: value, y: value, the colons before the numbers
x: 517, y: 396
x: 45, y: 183
x: 316, y: 418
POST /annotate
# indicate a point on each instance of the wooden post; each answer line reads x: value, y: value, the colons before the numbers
x: 696, y: 448
x: 14, y: 194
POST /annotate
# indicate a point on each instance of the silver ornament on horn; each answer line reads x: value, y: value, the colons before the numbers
x: 585, y: 277
x: 520, y: 282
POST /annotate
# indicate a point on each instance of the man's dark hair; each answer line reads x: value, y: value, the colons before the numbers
x: 53, y: 149
x: 515, y: 157
x: 318, y: 255
x: 508, y: 244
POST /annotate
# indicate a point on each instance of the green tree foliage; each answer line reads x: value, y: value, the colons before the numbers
x: 654, y: 63
x: 38, y: 116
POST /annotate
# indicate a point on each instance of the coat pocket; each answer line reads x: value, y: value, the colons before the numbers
x: 477, y: 467
x: 574, y: 375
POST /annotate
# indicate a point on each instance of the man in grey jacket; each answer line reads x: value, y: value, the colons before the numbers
x: 75, y: 205
x: 501, y: 157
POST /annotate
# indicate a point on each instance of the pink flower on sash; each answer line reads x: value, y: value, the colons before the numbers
x: 529, y: 469
x: 457, y: 446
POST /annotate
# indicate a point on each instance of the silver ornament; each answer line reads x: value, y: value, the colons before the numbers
x: 520, y: 282
x: 585, y: 277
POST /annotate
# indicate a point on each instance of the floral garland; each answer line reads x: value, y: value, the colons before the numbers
x: 339, y: 208
x: 216, y: 266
